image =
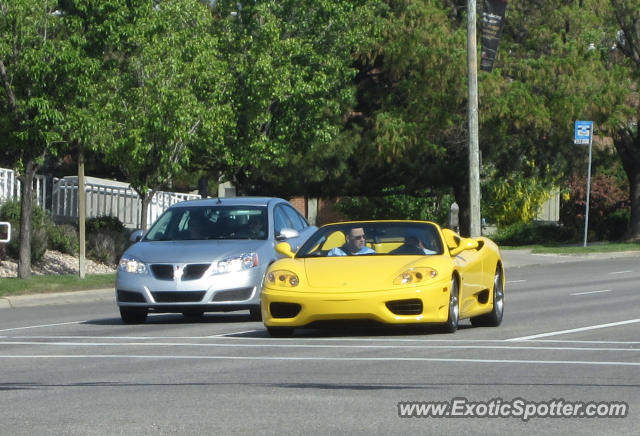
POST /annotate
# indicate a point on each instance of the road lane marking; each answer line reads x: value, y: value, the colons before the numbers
x: 334, y: 359
x: 234, y: 333
x: 591, y: 292
x: 515, y: 281
x: 620, y: 272
x: 581, y: 329
x: 312, y: 346
x: 43, y: 325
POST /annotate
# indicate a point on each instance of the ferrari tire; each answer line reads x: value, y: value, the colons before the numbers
x: 280, y: 332
x: 493, y: 318
x: 454, y: 308
x: 131, y: 315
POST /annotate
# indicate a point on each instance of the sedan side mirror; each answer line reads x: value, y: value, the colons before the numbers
x: 287, y: 234
x: 136, y: 236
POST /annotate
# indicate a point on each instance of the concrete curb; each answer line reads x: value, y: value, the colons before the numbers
x: 58, y: 298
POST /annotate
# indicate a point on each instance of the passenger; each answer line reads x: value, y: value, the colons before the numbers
x: 413, y: 244
x: 354, y: 245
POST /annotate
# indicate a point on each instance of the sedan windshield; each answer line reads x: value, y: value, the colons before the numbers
x: 210, y: 222
x: 373, y: 238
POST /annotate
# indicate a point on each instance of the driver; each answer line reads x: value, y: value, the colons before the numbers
x: 354, y: 245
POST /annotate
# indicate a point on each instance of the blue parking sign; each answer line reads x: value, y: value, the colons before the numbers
x: 583, y: 132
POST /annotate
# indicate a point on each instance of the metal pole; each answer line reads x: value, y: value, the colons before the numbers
x: 474, y: 149
x: 81, y: 216
x: 586, y: 214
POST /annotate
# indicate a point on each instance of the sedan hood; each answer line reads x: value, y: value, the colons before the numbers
x: 360, y: 273
x: 192, y: 251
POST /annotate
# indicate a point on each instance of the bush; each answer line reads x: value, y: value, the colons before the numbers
x: 533, y: 233
x: 63, y: 238
x: 104, y: 224
x: 106, y: 239
x: 431, y: 206
x: 10, y: 211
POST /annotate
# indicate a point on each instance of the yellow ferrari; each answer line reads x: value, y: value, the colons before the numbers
x: 392, y: 272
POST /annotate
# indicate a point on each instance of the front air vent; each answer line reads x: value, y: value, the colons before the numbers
x: 162, y: 272
x: 130, y: 297
x: 194, y: 271
x: 284, y: 310
x: 233, y: 295
x: 405, y: 307
x: 178, y: 297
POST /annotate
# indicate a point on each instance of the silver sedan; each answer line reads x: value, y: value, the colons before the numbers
x: 206, y: 255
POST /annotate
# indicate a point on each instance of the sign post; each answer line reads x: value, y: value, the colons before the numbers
x: 584, y: 136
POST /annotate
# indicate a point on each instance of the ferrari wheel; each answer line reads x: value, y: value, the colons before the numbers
x: 280, y: 332
x: 493, y: 318
x: 133, y: 315
x: 454, y: 308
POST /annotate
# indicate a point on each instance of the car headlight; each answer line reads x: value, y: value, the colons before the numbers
x: 415, y: 275
x: 283, y: 278
x: 237, y: 263
x: 132, y: 265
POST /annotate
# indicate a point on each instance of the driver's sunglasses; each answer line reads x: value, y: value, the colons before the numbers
x: 358, y: 237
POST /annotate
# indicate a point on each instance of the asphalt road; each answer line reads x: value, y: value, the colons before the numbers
x: 569, y: 339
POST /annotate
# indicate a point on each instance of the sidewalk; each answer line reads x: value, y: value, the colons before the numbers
x: 511, y: 258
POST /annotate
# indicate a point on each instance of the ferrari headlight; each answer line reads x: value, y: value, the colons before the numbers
x: 132, y: 265
x: 237, y: 263
x: 415, y: 275
x: 283, y: 278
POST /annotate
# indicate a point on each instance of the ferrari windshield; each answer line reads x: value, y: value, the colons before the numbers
x: 373, y: 238
x: 210, y: 222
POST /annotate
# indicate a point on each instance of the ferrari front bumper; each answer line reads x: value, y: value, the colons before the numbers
x: 400, y: 305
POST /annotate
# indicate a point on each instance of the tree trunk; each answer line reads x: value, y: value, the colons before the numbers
x: 146, y: 201
x: 26, y: 209
x: 633, y: 232
x: 461, y: 192
x: 628, y: 148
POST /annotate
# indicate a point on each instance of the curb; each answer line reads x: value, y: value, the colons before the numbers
x: 58, y: 298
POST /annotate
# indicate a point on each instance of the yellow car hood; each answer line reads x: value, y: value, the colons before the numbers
x: 361, y: 273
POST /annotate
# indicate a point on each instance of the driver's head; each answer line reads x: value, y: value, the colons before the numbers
x: 355, y: 239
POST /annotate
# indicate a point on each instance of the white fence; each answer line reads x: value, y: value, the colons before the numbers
x: 102, y: 198
x: 10, y: 187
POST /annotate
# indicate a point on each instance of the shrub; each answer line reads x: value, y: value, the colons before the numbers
x: 63, y: 238
x: 10, y: 211
x: 431, y: 206
x: 106, y: 239
x: 104, y: 223
x: 533, y: 233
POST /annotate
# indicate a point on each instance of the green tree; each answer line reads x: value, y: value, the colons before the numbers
x: 38, y: 67
x: 167, y: 91
x: 290, y: 63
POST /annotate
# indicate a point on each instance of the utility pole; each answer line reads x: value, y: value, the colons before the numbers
x: 81, y: 214
x: 474, y: 148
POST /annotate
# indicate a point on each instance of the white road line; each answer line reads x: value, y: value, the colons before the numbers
x: 231, y: 334
x: 515, y: 281
x: 591, y: 292
x: 312, y: 346
x: 581, y: 329
x: 621, y: 272
x: 334, y: 359
x: 40, y: 326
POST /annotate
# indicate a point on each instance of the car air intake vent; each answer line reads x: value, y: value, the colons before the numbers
x: 130, y: 297
x: 162, y: 272
x: 405, y: 307
x: 178, y: 297
x: 284, y: 310
x: 233, y: 295
x: 194, y: 271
